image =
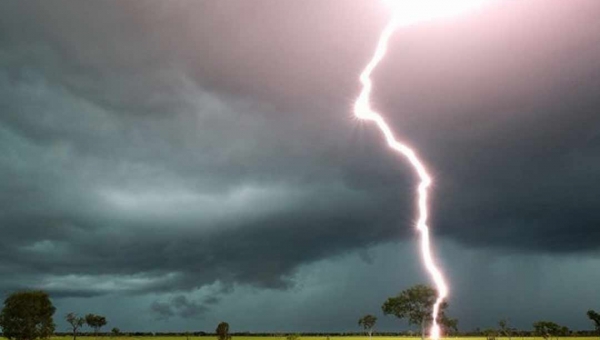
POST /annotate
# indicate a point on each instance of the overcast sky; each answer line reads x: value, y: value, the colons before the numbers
x: 173, y: 164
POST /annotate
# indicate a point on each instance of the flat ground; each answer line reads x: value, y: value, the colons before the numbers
x: 301, y: 338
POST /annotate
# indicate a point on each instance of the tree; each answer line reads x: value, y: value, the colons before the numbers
x: 368, y: 322
x: 76, y: 322
x: 95, y: 321
x: 27, y: 315
x: 449, y: 325
x: 595, y: 317
x: 505, y: 330
x: 223, y: 331
x: 490, y: 334
x: 416, y: 305
x: 115, y: 332
x: 546, y: 329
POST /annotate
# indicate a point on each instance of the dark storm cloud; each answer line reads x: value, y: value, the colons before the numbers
x: 162, y: 309
x: 181, y: 306
x: 123, y: 174
x: 152, y: 147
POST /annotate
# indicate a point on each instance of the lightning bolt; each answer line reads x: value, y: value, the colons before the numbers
x: 407, y: 12
x: 363, y: 110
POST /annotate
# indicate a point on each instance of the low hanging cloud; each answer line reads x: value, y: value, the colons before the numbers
x: 178, y: 306
x: 193, y: 305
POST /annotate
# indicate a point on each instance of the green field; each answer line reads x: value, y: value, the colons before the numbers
x: 301, y: 338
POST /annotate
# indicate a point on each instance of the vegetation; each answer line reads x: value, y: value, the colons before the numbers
x: 76, y: 322
x: 368, y: 322
x: 505, y: 330
x: 223, y: 331
x: 115, y: 332
x: 449, y: 326
x: 595, y: 317
x: 27, y: 315
x: 95, y: 321
x: 416, y: 305
x: 106, y: 336
x: 490, y: 334
x: 548, y: 329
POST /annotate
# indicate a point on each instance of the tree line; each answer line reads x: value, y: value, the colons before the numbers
x: 28, y: 315
x: 415, y: 304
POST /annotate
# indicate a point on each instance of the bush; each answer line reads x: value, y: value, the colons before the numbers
x: 293, y: 337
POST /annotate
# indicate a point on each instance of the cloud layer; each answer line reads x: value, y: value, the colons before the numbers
x: 152, y: 151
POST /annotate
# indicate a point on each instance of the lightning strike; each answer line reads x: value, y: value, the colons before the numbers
x: 407, y: 12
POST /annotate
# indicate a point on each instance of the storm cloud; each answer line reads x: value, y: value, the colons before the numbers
x: 179, y: 153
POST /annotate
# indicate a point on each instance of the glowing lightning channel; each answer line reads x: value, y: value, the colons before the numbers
x: 407, y: 12
x: 410, y: 13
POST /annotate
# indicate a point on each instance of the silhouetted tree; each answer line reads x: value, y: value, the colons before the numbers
x: 546, y: 329
x: 505, y: 330
x: 76, y: 322
x: 490, y: 334
x: 368, y: 322
x: 416, y: 305
x: 449, y: 325
x: 115, y: 332
x: 95, y: 321
x: 223, y: 331
x: 595, y: 317
x: 27, y: 315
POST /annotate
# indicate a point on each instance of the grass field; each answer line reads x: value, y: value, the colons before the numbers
x: 301, y: 338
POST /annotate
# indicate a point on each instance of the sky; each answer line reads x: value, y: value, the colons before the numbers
x: 171, y: 165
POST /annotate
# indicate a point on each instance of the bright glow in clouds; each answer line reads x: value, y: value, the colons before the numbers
x: 407, y: 12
